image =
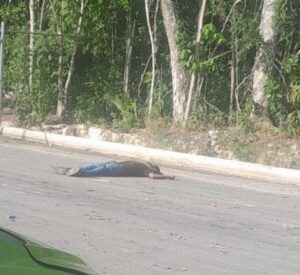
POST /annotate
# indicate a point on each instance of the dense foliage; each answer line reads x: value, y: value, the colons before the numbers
x: 223, y: 67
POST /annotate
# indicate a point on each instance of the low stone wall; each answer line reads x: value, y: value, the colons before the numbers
x: 283, y: 152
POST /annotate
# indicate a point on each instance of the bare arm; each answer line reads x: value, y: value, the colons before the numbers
x: 160, y: 177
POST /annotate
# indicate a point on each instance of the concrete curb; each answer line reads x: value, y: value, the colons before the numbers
x: 179, y: 160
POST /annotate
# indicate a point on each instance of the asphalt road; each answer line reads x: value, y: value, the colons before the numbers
x: 200, y: 223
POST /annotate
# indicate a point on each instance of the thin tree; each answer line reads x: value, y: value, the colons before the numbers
x: 60, y: 93
x: 57, y: 15
x: 42, y: 14
x: 63, y: 99
x: 130, y: 29
x: 152, y: 35
x: 193, y: 77
x: 31, y: 41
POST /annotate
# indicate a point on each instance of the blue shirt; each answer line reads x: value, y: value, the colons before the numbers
x: 105, y: 169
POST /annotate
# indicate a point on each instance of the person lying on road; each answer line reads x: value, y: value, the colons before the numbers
x: 115, y: 169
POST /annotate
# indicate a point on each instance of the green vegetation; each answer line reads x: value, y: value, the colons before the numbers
x: 81, y: 50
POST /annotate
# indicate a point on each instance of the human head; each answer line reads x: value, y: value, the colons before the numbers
x: 154, y: 167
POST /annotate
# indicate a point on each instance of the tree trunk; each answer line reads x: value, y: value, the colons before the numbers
x: 31, y: 42
x: 237, y: 61
x: 2, y: 29
x: 193, y: 77
x: 129, y: 38
x: 179, y: 77
x: 152, y: 35
x: 296, y: 7
x: 61, y: 104
x: 139, y: 89
x: 60, y: 93
x: 232, y: 80
x: 43, y: 7
x: 264, y: 54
